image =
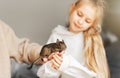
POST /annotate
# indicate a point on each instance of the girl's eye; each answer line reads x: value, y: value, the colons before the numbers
x: 88, y: 20
x: 79, y: 14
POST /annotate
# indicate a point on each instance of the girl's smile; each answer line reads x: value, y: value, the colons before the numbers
x: 77, y: 26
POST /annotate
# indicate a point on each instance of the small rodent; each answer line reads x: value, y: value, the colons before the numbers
x: 48, y: 49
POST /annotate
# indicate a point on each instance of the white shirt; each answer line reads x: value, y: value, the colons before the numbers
x: 73, y: 65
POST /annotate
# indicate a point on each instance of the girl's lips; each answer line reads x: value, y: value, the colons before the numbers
x: 76, y: 25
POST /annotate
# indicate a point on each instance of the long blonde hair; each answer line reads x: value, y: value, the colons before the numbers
x: 94, y: 49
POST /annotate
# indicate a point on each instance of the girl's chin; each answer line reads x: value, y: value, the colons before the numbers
x: 75, y: 31
x: 75, y: 26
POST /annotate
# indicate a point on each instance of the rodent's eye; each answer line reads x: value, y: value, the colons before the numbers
x: 46, y: 55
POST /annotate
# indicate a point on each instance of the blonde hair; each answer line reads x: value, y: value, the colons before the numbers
x: 94, y: 49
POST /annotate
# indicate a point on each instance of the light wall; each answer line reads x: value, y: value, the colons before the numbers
x: 34, y: 19
x: 112, y: 17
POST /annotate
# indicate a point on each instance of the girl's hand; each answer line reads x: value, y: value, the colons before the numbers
x: 49, y: 58
x: 57, y: 59
x: 45, y: 59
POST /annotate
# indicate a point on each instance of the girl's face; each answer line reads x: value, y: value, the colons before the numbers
x: 81, y: 18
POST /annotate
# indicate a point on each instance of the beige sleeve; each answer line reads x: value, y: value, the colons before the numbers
x: 19, y: 49
x: 29, y: 51
x: 4, y: 56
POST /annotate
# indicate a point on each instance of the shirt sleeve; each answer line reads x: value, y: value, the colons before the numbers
x: 73, y: 68
x: 46, y: 71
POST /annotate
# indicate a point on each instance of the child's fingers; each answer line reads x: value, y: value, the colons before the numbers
x: 58, y: 59
x: 58, y: 53
x: 50, y: 56
x: 54, y: 64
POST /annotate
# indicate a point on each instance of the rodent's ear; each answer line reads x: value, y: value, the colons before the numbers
x: 63, y: 41
x: 58, y: 40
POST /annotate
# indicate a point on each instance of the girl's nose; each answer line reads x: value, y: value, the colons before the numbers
x: 81, y: 21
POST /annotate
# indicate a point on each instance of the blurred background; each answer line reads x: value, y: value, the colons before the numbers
x: 35, y: 20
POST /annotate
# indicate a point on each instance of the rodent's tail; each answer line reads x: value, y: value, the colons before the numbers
x: 31, y: 65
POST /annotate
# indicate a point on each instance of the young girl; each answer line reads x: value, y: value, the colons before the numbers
x: 13, y: 47
x: 85, y: 55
